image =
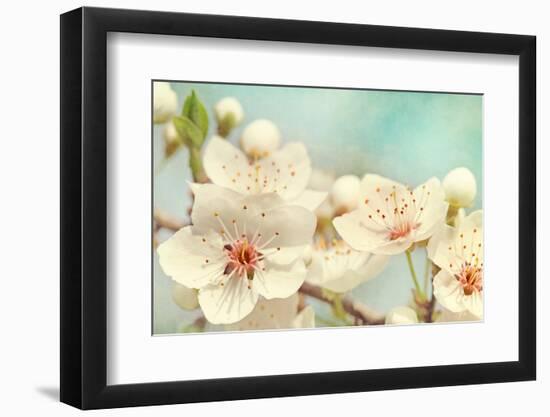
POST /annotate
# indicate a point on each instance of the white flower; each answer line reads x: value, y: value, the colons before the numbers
x: 285, y: 172
x: 165, y: 102
x: 260, y: 138
x: 238, y: 248
x: 185, y: 297
x: 458, y: 251
x: 229, y: 113
x: 279, y: 313
x: 401, y: 315
x: 460, y: 187
x: 345, y: 193
x: 391, y: 217
x: 340, y: 268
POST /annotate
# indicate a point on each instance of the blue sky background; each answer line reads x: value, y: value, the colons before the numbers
x: 406, y: 136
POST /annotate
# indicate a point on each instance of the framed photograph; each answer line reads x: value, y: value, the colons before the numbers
x: 258, y: 208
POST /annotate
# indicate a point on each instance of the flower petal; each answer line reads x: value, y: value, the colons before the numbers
x: 309, y: 199
x: 451, y: 247
x: 286, y: 226
x: 226, y: 165
x: 216, y: 207
x: 474, y: 303
x: 342, y: 272
x: 449, y: 316
x: 401, y: 315
x: 286, y: 171
x: 190, y: 260
x: 375, y: 185
x: 361, y: 232
x: 286, y: 254
x: 279, y: 281
x: 432, y: 208
x: 278, y: 313
x: 448, y: 292
x: 229, y: 303
x: 394, y: 247
x: 438, y: 249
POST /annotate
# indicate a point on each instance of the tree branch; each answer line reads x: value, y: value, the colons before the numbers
x: 362, y: 313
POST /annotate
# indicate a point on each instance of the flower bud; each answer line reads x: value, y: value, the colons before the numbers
x: 229, y: 114
x: 172, y: 140
x: 165, y: 102
x: 260, y: 138
x: 460, y: 187
x: 184, y: 297
x: 401, y: 315
x: 344, y: 194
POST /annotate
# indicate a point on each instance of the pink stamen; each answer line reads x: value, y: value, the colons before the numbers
x: 471, y: 278
x: 243, y: 258
x: 401, y: 230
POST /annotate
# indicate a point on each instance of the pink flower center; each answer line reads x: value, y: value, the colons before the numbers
x: 471, y: 278
x: 243, y: 258
x: 401, y: 230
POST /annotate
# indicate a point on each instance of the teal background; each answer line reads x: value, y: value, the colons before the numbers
x: 406, y: 136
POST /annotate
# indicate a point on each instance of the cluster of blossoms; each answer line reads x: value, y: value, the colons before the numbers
x: 265, y: 224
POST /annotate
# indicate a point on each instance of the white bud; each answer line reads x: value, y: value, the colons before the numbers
x: 229, y: 107
x: 460, y: 187
x: 170, y: 134
x: 401, y: 315
x: 320, y: 180
x: 185, y: 297
x: 165, y: 102
x: 260, y: 138
x: 344, y: 194
x: 172, y: 140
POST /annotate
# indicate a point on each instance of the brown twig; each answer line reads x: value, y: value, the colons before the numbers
x: 361, y: 313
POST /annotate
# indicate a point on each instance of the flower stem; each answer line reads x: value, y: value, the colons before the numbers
x: 413, y: 275
x: 195, y: 164
x: 427, y: 273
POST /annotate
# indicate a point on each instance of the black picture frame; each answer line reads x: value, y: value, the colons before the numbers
x: 84, y: 207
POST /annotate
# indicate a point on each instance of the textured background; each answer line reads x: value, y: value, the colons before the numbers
x: 406, y: 136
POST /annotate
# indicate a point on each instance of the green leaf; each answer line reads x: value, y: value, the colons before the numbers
x: 195, y: 111
x: 188, y: 131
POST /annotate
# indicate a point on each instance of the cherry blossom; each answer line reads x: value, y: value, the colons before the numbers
x: 285, y: 172
x: 238, y: 248
x: 392, y: 217
x: 458, y: 251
